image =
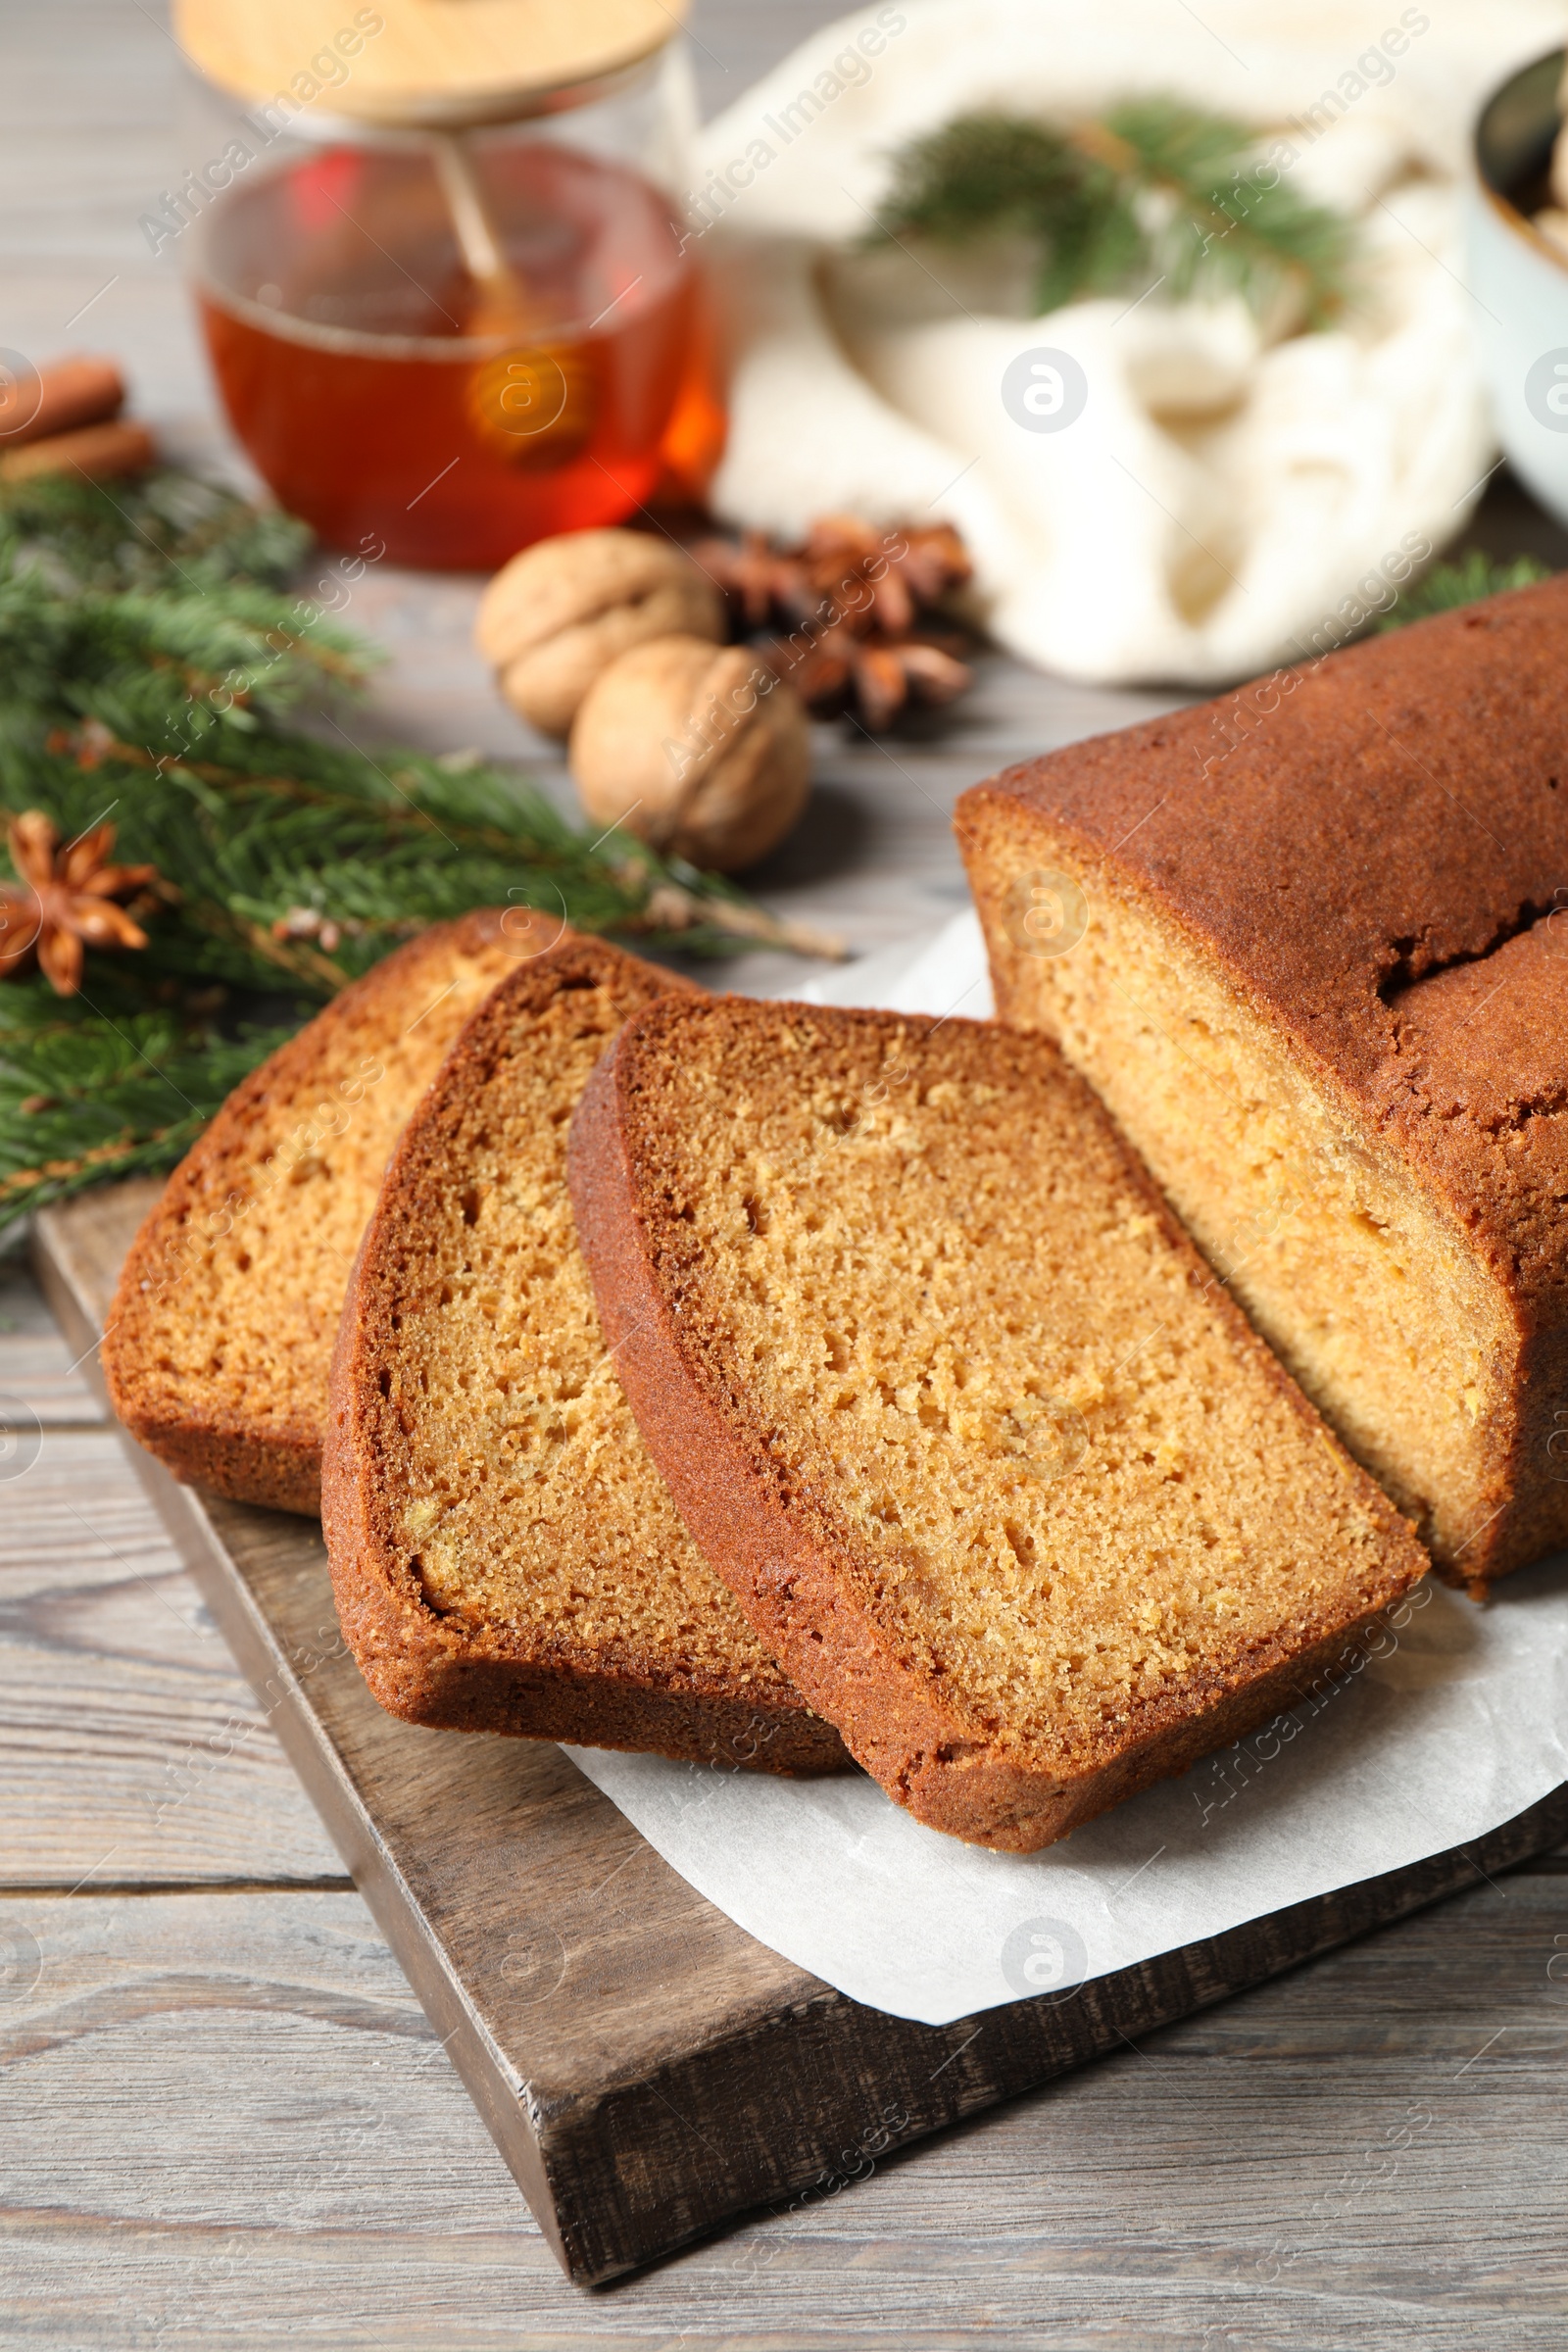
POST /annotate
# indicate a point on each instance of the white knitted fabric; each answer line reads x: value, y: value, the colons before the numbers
x: 1222, y: 497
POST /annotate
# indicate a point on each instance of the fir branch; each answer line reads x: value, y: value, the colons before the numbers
x: 160, y: 527
x: 985, y: 174
x: 1447, y: 586
x: 180, y: 713
x: 1155, y: 193
x: 156, y: 675
x: 89, y: 1091
x: 1227, y: 227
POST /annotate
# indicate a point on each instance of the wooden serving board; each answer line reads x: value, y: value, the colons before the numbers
x: 647, y: 2070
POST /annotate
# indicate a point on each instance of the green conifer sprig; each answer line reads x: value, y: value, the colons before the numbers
x: 156, y: 671
x: 107, y: 1091
x: 1447, y: 586
x: 1154, y: 192
x: 165, y: 526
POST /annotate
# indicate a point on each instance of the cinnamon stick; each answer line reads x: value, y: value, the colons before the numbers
x: 67, y: 394
x: 99, y: 451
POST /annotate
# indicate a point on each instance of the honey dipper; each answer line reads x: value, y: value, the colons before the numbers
x: 535, y: 402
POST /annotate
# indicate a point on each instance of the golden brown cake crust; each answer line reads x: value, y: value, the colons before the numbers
x: 470, y: 1671
x: 1376, y: 864
x: 268, y: 1450
x: 783, y: 1549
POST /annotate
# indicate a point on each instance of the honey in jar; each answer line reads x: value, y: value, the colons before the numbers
x: 459, y: 336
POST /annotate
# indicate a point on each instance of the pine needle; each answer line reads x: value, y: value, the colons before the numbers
x: 1154, y: 193
x: 85, y: 1095
x: 155, y: 672
x: 1447, y: 586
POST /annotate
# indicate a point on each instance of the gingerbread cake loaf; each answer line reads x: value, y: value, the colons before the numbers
x: 992, y: 1461
x: 503, y: 1554
x: 219, y: 1338
x: 1310, y: 945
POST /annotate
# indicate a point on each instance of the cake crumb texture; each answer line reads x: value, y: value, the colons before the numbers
x: 220, y: 1340
x: 947, y: 1395
x: 504, y: 1554
x: 1320, y: 977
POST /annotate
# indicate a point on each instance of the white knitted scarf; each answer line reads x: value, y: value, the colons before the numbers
x: 1223, y: 503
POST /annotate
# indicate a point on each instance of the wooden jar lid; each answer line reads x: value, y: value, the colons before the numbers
x: 428, y: 64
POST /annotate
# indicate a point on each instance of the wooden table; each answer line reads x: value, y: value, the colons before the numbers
x: 226, y: 2119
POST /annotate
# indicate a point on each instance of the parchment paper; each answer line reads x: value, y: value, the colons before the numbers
x: 1457, y: 1722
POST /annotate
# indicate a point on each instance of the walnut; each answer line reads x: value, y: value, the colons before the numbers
x: 559, y: 613
x: 696, y: 749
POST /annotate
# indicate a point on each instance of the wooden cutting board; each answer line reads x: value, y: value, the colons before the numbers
x: 647, y: 2070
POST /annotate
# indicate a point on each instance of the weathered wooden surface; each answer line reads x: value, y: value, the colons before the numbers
x: 115, y: 1684
x: 134, y: 1752
x: 229, y: 2124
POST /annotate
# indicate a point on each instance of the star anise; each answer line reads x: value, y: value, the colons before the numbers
x: 855, y: 594
x: 875, y: 676
x: 846, y: 572
x: 901, y: 571
x: 760, y: 580
x: 64, y: 901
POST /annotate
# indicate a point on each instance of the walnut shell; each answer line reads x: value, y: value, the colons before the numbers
x: 696, y: 749
x: 559, y: 613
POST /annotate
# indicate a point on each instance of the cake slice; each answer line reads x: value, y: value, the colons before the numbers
x: 994, y: 1465
x: 503, y: 1554
x: 1310, y: 944
x: 219, y: 1338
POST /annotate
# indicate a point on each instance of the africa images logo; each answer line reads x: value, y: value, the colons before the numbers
x: 1043, y: 1959
x: 1045, y: 390
x: 1546, y: 391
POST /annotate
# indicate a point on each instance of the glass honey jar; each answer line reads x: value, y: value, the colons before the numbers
x: 441, y: 269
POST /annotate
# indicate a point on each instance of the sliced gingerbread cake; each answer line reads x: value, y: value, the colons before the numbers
x: 992, y: 1463
x: 505, y: 1555
x: 1310, y: 945
x: 219, y: 1338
